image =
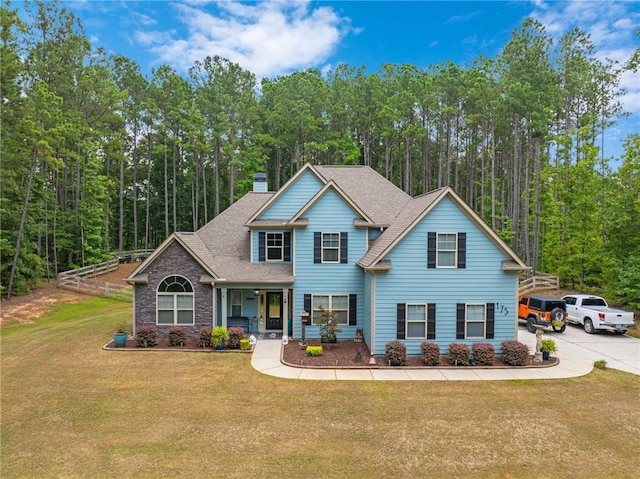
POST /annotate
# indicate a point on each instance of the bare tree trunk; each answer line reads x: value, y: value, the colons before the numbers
x: 23, y: 220
x: 121, y: 206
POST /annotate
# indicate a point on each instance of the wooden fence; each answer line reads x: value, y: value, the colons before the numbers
x: 83, y: 280
x: 539, y: 282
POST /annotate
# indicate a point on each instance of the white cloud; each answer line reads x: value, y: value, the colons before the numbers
x: 267, y: 38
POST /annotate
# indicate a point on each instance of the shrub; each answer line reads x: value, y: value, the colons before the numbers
x: 395, y: 353
x: 483, y: 353
x: 314, y: 351
x: 514, y: 353
x: 235, y: 334
x: 205, y: 338
x: 245, y: 344
x: 177, y: 336
x: 458, y: 354
x: 218, y: 336
x: 430, y: 354
x: 600, y: 364
x: 146, y: 336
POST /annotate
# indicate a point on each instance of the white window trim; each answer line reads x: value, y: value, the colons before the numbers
x: 175, y: 308
x: 322, y: 247
x: 330, y: 296
x: 455, y: 250
x: 407, y: 320
x: 267, y: 247
x: 484, y: 321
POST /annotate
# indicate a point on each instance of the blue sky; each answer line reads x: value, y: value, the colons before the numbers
x: 277, y: 37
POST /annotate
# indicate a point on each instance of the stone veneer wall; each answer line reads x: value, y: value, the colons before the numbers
x: 174, y: 261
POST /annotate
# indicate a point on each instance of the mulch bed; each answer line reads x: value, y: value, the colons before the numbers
x: 343, y: 355
x: 163, y: 345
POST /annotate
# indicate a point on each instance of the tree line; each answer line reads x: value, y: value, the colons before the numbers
x: 98, y: 157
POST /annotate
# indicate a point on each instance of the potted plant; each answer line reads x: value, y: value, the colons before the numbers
x: 328, y: 322
x: 121, y: 336
x: 218, y: 337
x: 548, y: 347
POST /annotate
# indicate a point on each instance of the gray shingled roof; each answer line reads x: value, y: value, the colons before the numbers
x: 379, y: 198
x: 228, y: 243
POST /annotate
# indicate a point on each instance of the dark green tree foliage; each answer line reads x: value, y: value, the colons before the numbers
x: 98, y: 158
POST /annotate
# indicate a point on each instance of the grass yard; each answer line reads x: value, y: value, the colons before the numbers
x: 70, y: 409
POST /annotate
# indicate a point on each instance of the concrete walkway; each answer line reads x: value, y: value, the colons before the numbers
x: 266, y: 359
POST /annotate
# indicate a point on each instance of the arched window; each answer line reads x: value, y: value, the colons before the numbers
x: 175, y: 301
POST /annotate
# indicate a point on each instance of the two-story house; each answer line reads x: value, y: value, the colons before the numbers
x: 342, y: 238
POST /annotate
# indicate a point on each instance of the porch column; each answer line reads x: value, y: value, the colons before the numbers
x: 285, y: 311
x: 223, y: 306
x: 214, y: 293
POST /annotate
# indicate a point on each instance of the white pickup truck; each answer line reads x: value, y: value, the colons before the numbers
x: 594, y: 314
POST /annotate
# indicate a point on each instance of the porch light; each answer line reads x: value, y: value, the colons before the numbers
x: 256, y: 292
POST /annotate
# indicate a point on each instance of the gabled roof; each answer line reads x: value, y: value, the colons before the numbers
x: 414, y: 212
x: 330, y: 185
x: 189, y: 241
x: 376, y: 198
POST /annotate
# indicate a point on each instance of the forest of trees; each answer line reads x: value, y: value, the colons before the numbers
x: 98, y: 157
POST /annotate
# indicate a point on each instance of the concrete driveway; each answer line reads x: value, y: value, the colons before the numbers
x: 620, y: 352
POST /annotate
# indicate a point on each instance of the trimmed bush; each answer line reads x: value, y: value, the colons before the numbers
x: 177, y: 336
x: 314, y: 351
x: 245, y: 344
x: 430, y: 354
x: 458, y: 354
x: 146, y: 336
x: 205, y: 338
x: 514, y: 353
x: 234, y: 335
x: 395, y: 353
x: 483, y: 353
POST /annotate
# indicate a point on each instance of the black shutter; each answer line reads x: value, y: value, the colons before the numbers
x: 317, y: 247
x: 353, y: 309
x: 460, y: 313
x: 431, y: 321
x: 287, y: 245
x: 462, y: 250
x: 491, y: 316
x: 344, y: 242
x: 307, y: 304
x: 401, y: 320
x: 261, y: 246
x: 431, y: 249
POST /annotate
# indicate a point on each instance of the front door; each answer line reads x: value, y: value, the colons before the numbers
x: 274, y: 310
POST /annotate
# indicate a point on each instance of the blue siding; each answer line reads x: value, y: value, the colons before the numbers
x: 294, y: 198
x: 410, y: 281
x: 329, y: 214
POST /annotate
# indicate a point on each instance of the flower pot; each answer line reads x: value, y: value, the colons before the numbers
x: 545, y: 355
x: 120, y: 339
x: 220, y: 346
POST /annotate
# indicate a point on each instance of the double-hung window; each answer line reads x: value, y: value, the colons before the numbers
x: 236, y: 302
x: 475, y: 320
x: 330, y: 247
x: 175, y: 301
x: 416, y: 321
x: 337, y: 303
x: 446, y: 250
x: 275, y: 247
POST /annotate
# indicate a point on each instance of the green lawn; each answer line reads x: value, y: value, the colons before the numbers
x: 70, y: 409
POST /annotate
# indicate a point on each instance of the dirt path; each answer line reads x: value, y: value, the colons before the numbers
x: 28, y: 308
